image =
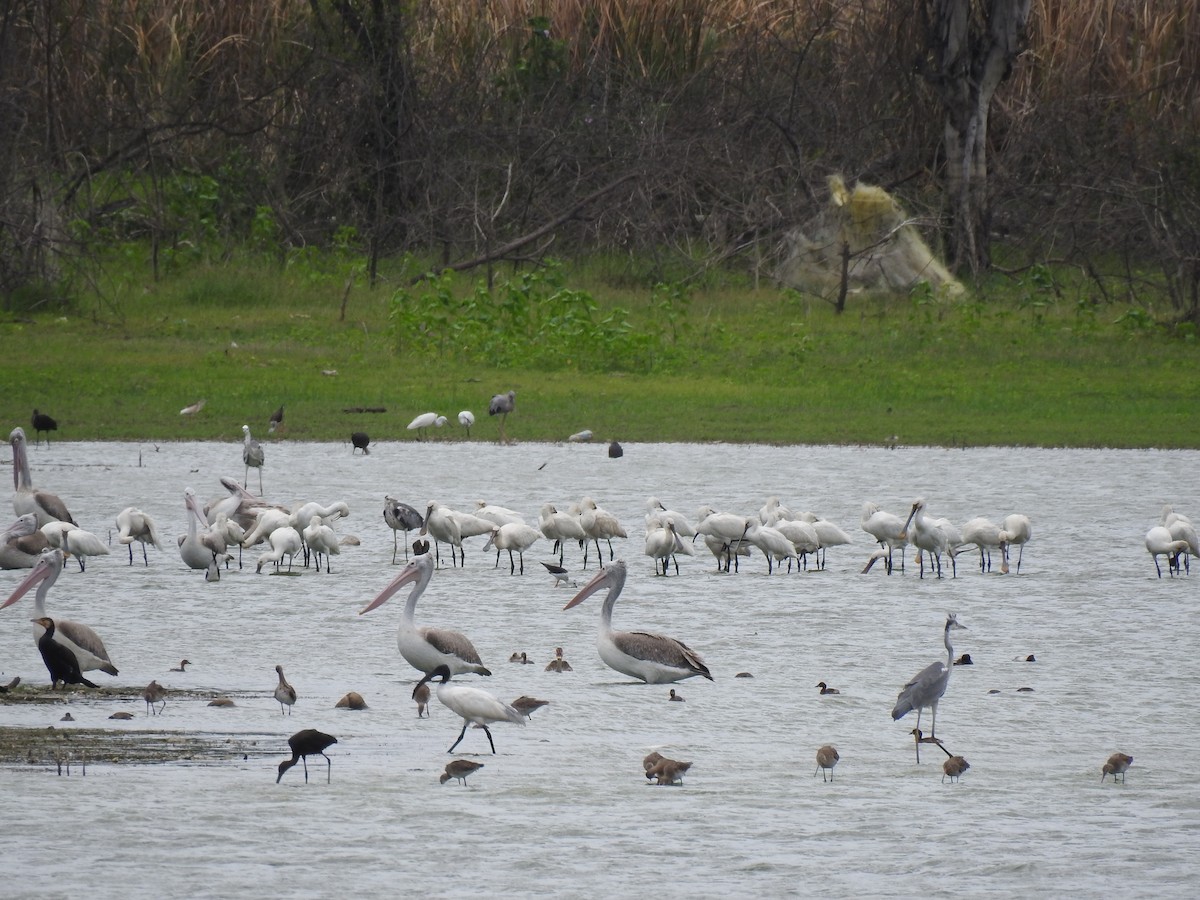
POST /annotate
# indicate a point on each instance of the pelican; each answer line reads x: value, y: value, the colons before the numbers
x: 925, y: 688
x: 827, y: 758
x: 1019, y: 531
x: 475, y: 706
x: 425, y: 648
x: 284, y: 693
x: 21, y: 543
x: 197, y: 548
x: 887, y: 529
x: 252, y: 456
x: 231, y: 532
x: 926, y: 536
x: 87, y: 646
x: 400, y: 517
x: 513, y: 536
x: 26, y: 499
x: 304, y: 744
x: 322, y: 541
x: 654, y: 658
x: 285, y: 541
x: 1117, y: 764
x: 135, y: 525
x: 460, y: 769
x: 598, y: 523
x: 560, y: 527
x: 466, y: 419
x: 501, y: 405
x: 422, y: 423
x: 1160, y: 543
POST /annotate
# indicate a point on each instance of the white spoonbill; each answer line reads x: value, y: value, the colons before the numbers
x: 1181, y: 530
x: 474, y: 705
x: 285, y: 541
x: 400, y: 517
x: 926, y: 536
x: 654, y: 658
x: 1160, y: 543
x: 466, y: 419
x: 598, y: 523
x: 322, y: 541
x: 22, y: 543
x: 27, y: 499
x: 497, y: 515
x: 266, y: 520
x: 196, y: 548
x: 828, y: 534
x: 74, y: 541
x: 729, y: 528
x: 422, y: 423
x: 926, y: 688
x: 1018, y: 531
x: 683, y: 526
x: 802, y: 535
x: 987, y: 536
x: 887, y: 529
x: 135, y: 525
x: 663, y: 542
x: 774, y: 544
x: 81, y: 640
x: 560, y: 527
x: 425, y: 648
x: 252, y: 456
x: 513, y: 536
x: 442, y: 526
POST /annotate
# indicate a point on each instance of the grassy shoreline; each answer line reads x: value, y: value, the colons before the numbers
x: 751, y: 366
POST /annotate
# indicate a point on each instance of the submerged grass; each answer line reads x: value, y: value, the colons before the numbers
x: 1014, y: 365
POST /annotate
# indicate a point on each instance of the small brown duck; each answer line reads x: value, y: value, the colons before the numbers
x: 1116, y: 765
x: 826, y: 689
x: 221, y: 701
x: 460, y: 769
x: 521, y: 658
x: 827, y: 758
x: 558, y: 664
x: 954, y: 767
x: 675, y: 696
x: 353, y: 700
x: 182, y: 667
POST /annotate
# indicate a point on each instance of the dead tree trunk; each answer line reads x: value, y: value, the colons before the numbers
x: 970, y: 48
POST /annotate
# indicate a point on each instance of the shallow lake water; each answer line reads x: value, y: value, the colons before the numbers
x: 563, y: 808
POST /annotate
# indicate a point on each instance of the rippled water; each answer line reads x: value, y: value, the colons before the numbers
x: 563, y: 808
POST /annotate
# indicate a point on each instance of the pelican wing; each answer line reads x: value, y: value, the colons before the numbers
x: 452, y: 643
x: 87, y: 640
x: 660, y: 649
x: 52, y: 506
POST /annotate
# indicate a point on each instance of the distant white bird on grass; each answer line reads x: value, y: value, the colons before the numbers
x: 422, y: 423
x: 193, y: 409
x: 466, y: 419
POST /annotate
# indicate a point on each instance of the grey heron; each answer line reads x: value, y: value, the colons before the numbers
x: 252, y: 456
x: 501, y: 405
x: 925, y: 688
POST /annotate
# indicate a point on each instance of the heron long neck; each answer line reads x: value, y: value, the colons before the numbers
x: 949, y: 649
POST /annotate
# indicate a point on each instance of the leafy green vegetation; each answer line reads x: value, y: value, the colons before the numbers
x: 1034, y: 360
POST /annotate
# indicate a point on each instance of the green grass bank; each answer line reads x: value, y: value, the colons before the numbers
x: 1039, y: 362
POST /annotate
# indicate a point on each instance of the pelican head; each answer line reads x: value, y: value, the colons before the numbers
x: 49, y: 566
x: 420, y: 569
x: 612, y: 575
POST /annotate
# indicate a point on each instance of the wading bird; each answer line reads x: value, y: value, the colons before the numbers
x: 1018, y: 531
x: 42, y: 422
x: 27, y: 499
x: 888, y: 531
x: 513, y: 536
x: 501, y: 405
x: 86, y: 646
x: 475, y: 706
x: 1159, y: 543
x: 954, y: 767
x: 360, y: 440
x: 926, y: 688
x: 827, y: 758
x: 1117, y: 764
x: 426, y: 648
x: 422, y: 423
x: 654, y: 658
x: 460, y: 769
x: 285, y: 694
x: 466, y: 419
x: 21, y: 543
x: 400, y: 517
x: 668, y: 771
x: 135, y: 525
x: 153, y: 694
x: 304, y: 744
x: 252, y: 456
x: 276, y: 419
